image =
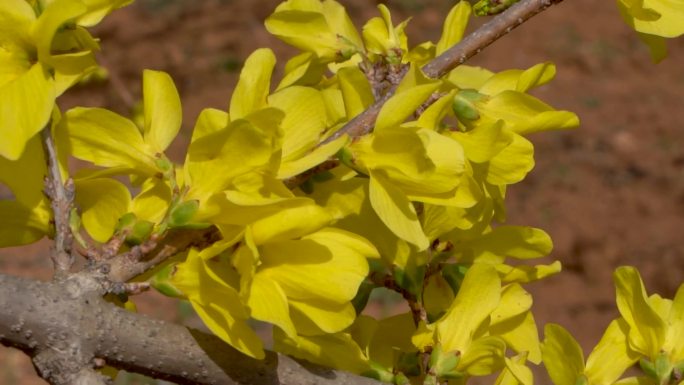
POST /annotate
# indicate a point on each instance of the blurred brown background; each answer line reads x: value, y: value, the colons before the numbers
x: 610, y: 193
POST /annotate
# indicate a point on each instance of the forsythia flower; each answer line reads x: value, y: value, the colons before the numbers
x: 44, y: 49
x: 654, y: 20
x: 109, y: 140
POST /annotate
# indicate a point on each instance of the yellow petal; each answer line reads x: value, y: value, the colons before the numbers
x: 519, y: 80
x: 217, y: 303
x: 647, y: 329
x: 483, y: 357
x: 21, y: 225
x: 316, y: 269
x: 485, y: 141
x: 26, y: 175
x: 675, y: 333
x: 253, y: 87
x: 102, y: 202
x: 332, y: 350
x: 514, y: 241
x: 356, y: 90
x: 153, y: 201
x: 476, y: 299
x: 454, y: 26
x: 98, y: 9
x: 267, y: 302
x: 612, y: 348
x: 50, y: 21
x: 563, y: 357
x: 163, y: 113
x: 525, y: 274
x: 25, y: 106
x: 289, y: 223
x: 320, y: 317
x: 290, y: 168
x: 520, y: 334
x: 305, y: 119
x: 396, y: 211
x: 525, y: 114
x: 654, y: 17
x: 106, y: 139
x: 512, y: 164
x: 469, y: 77
x: 402, y: 105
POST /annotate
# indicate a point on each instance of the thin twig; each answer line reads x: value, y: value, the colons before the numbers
x: 61, y: 197
x: 387, y: 281
x: 125, y: 266
x: 470, y: 46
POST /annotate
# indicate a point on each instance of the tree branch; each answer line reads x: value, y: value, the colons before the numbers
x: 61, y: 197
x: 63, y: 325
x: 470, y: 46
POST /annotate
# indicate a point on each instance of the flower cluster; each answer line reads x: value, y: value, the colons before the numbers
x: 313, y: 216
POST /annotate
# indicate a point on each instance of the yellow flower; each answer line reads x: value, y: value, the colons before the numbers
x: 43, y: 51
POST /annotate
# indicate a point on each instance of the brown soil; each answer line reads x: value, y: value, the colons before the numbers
x: 610, y: 193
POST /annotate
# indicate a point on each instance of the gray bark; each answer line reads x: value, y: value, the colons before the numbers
x: 65, y: 326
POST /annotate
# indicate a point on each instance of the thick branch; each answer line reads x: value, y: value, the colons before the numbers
x: 470, y: 46
x: 58, y: 318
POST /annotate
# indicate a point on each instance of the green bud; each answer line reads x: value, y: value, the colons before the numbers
x: 401, y: 379
x: 443, y: 364
x: 162, y: 281
x: 409, y: 363
x: 379, y: 373
x: 582, y: 380
x: 430, y: 379
x: 164, y: 165
x: 139, y: 233
x: 346, y: 156
x: 648, y: 368
x: 182, y: 213
x: 126, y: 222
x: 464, y: 106
x: 663, y: 369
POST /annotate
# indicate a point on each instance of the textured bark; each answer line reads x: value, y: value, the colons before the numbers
x: 66, y: 327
